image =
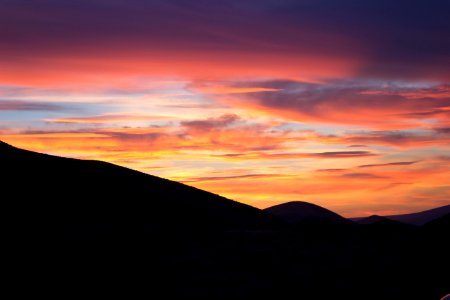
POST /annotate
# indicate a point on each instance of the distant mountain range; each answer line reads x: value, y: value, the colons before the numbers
x: 419, y: 218
x: 370, y: 220
x: 297, y: 211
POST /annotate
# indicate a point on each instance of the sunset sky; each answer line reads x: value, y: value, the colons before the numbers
x: 345, y: 104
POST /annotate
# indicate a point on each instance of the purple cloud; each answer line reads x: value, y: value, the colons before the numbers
x: 212, y: 123
x: 12, y: 105
x: 398, y: 163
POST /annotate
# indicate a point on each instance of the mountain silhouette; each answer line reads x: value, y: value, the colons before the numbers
x: 418, y: 218
x: 440, y: 225
x: 131, y: 234
x: 73, y: 191
x: 384, y: 227
x: 298, y: 211
x: 371, y: 219
x: 422, y: 217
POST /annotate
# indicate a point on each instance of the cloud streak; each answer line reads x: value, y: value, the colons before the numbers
x: 362, y: 175
x: 11, y: 105
x: 234, y: 177
x: 318, y: 155
x: 109, y: 118
x: 391, y: 164
x: 212, y: 123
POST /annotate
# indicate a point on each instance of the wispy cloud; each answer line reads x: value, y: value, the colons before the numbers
x: 12, y: 105
x: 319, y: 155
x: 211, y: 123
x: 396, y: 138
x: 110, y: 118
x: 232, y: 177
x: 391, y: 164
x: 331, y: 170
x: 362, y: 175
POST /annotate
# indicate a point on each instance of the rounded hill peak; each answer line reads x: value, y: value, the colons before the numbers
x: 296, y: 211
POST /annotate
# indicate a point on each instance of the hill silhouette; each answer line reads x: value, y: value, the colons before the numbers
x: 418, y: 218
x: 298, y: 211
x: 76, y: 191
x: 442, y: 222
x: 371, y: 219
x: 128, y: 234
x: 439, y: 227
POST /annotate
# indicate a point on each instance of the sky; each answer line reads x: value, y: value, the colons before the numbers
x: 345, y: 104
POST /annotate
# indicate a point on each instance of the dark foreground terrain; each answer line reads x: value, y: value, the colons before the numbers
x: 92, y: 229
